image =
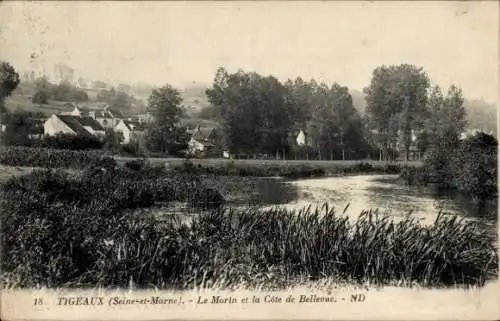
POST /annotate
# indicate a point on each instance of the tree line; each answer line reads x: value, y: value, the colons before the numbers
x: 260, y: 115
x: 402, y: 110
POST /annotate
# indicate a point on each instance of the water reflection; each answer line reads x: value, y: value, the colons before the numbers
x: 385, y: 193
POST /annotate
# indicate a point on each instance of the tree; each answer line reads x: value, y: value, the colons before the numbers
x: 397, y: 98
x: 298, y: 98
x: 21, y: 126
x: 9, y: 80
x: 113, y: 140
x: 335, y: 126
x: 164, y: 104
x: 40, y: 97
x: 250, y: 105
x: 164, y: 133
x: 446, y: 118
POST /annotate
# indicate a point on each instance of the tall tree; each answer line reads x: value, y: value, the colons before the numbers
x: 9, y: 80
x: 397, y: 94
x: 446, y: 117
x: 253, y: 111
x: 164, y: 133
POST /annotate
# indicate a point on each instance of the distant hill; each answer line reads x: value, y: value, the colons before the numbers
x: 194, y: 99
x: 481, y: 115
x: 358, y: 99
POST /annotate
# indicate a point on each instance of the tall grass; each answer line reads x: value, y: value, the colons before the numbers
x: 59, y: 231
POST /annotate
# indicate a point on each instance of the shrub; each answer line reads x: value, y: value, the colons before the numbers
x: 50, y: 158
x: 71, y: 142
x: 40, y: 97
x: 470, y: 167
x: 135, y: 164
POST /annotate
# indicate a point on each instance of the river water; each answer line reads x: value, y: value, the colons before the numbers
x: 353, y: 194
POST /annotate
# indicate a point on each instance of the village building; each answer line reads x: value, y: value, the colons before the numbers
x: 301, y: 138
x: 103, y: 114
x: 74, y: 125
x: 204, y: 142
x: 130, y: 130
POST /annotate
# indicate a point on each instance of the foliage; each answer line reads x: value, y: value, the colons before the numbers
x: 116, y: 99
x: 48, y: 207
x: 50, y: 158
x: 474, y: 166
x: 71, y: 142
x: 396, y: 103
x: 164, y: 139
x: 469, y: 166
x: 64, y: 91
x: 40, y: 97
x: 164, y: 104
x: 21, y: 128
x: 9, y: 80
x: 290, y: 171
x: 93, y: 239
x: 165, y: 134
x: 113, y: 140
x: 251, y: 106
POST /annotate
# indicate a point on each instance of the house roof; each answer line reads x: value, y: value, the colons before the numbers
x: 134, y: 125
x: 90, y: 122
x: 115, y: 113
x: 73, y: 123
x: 202, y: 134
x: 77, y: 124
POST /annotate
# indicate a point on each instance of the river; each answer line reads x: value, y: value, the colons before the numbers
x: 385, y: 193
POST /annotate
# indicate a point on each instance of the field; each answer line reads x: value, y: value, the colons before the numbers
x: 24, y: 103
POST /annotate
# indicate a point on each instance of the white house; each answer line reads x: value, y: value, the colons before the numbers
x: 105, y: 116
x: 129, y: 130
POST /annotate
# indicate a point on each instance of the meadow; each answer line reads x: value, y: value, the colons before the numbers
x: 88, y: 230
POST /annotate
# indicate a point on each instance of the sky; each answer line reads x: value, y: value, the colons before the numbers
x: 331, y: 41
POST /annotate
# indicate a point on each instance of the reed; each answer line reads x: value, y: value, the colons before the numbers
x: 82, y: 232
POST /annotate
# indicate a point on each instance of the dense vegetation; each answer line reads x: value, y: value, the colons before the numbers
x: 83, y: 232
x: 291, y: 171
x: 468, y: 166
x: 53, y: 158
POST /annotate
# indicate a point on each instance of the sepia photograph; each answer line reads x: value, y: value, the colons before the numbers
x: 249, y: 160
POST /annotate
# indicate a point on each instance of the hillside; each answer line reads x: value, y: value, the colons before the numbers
x: 481, y: 115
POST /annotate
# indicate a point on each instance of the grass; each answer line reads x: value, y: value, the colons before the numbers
x: 217, y: 162
x: 289, y: 170
x: 80, y: 232
x: 24, y: 103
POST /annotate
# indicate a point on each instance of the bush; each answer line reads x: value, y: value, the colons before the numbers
x: 136, y: 164
x: 71, y: 142
x: 50, y: 158
x: 470, y: 167
x: 40, y: 97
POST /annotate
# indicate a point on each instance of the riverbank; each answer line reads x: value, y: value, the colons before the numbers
x: 96, y: 240
x: 78, y: 160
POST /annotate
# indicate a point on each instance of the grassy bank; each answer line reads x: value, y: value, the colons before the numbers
x: 79, y: 231
x: 287, y: 170
x: 57, y: 158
